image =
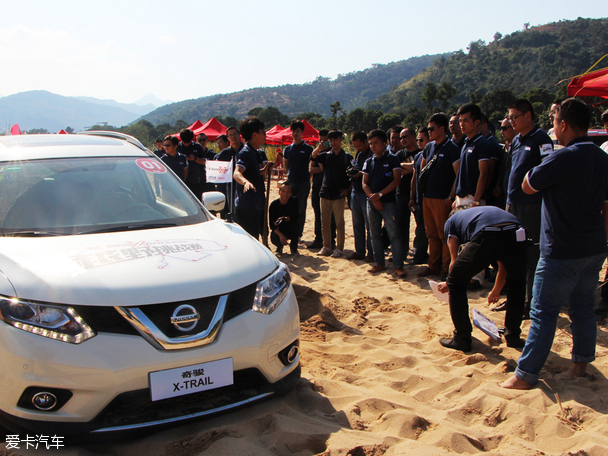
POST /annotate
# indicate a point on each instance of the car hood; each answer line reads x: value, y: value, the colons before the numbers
x: 135, y: 267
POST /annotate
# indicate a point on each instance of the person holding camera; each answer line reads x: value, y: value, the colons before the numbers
x: 283, y: 220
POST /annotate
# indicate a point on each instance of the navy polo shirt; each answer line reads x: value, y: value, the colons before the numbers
x: 249, y: 159
x: 194, y: 169
x: 467, y: 223
x: 495, y: 147
x: 442, y: 175
x: 359, y: 163
x: 335, y: 178
x: 526, y: 152
x: 474, y: 150
x: 298, y: 156
x: 208, y: 154
x: 178, y: 163
x: 380, y: 172
x: 573, y: 182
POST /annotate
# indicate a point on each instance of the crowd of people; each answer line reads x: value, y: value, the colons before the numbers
x: 533, y: 211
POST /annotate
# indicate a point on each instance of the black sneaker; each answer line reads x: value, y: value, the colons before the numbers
x: 316, y: 244
x: 456, y: 344
x: 515, y: 342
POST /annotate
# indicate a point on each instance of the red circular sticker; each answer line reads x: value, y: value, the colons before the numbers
x: 150, y: 165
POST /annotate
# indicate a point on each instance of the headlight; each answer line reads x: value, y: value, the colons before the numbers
x: 54, y: 322
x: 270, y: 292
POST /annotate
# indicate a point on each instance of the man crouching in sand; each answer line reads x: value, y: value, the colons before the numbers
x: 574, y: 186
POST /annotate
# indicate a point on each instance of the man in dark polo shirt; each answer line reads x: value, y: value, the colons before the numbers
x: 381, y: 177
x: 358, y: 200
x: 490, y: 234
x: 457, y: 136
x: 407, y: 138
x: 573, y: 183
x: 249, y: 201
x: 486, y: 128
x: 472, y: 178
x: 504, y: 167
x: 439, y: 192
x: 208, y: 154
x: 334, y: 189
x: 173, y: 159
x: 229, y: 154
x: 529, y: 147
x: 296, y: 159
x: 159, y: 151
x: 194, y: 153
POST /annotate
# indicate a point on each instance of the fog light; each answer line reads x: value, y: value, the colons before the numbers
x: 290, y: 353
x: 44, y: 400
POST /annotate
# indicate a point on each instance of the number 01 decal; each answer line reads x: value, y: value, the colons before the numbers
x: 150, y: 165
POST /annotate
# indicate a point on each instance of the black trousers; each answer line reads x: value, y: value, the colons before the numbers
x: 250, y: 221
x: 485, y: 247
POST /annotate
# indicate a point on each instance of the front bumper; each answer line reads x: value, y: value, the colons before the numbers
x: 108, y: 375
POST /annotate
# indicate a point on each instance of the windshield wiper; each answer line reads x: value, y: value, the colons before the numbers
x: 130, y: 227
x: 32, y: 233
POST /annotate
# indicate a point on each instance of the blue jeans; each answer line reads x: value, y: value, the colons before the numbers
x: 555, y: 283
x: 358, y: 209
x: 389, y: 215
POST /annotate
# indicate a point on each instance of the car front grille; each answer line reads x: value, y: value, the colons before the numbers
x: 109, y: 320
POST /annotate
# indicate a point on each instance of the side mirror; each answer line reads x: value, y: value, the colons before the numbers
x: 214, y: 201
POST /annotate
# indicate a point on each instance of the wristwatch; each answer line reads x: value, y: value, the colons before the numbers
x: 380, y: 193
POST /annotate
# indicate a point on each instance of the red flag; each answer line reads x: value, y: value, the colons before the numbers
x: 15, y: 130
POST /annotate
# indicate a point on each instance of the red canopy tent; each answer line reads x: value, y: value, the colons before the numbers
x: 593, y: 84
x: 196, y: 125
x: 311, y: 134
x: 274, y: 136
x: 62, y: 132
x: 212, y: 128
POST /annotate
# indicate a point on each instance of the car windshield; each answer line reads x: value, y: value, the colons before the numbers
x: 83, y: 195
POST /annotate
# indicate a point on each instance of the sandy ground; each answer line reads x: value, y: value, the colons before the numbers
x: 376, y: 381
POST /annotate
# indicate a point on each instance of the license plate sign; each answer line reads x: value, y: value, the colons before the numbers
x: 191, y: 379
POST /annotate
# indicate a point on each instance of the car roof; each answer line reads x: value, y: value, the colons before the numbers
x: 88, y: 144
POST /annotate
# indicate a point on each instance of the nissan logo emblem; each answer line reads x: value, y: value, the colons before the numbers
x: 185, y: 318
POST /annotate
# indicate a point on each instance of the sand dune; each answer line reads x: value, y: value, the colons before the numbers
x: 377, y: 382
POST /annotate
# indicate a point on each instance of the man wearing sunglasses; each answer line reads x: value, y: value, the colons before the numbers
x: 530, y: 146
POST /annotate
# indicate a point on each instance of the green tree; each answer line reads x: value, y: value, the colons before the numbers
x: 386, y: 121
x: 496, y: 101
x: 314, y: 118
x: 444, y: 94
x: 335, y: 109
x: 429, y: 95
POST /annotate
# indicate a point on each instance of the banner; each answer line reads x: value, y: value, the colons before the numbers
x: 219, y: 172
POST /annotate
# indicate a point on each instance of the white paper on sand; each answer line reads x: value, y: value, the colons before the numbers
x: 485, y: 324
x: 443, y: 297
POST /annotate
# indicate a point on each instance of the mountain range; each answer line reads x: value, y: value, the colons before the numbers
x: 42, y: 109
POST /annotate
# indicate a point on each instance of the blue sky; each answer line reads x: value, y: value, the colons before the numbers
x: 123, y: 50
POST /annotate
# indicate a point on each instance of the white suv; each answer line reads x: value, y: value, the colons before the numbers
x: 124, y: 303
